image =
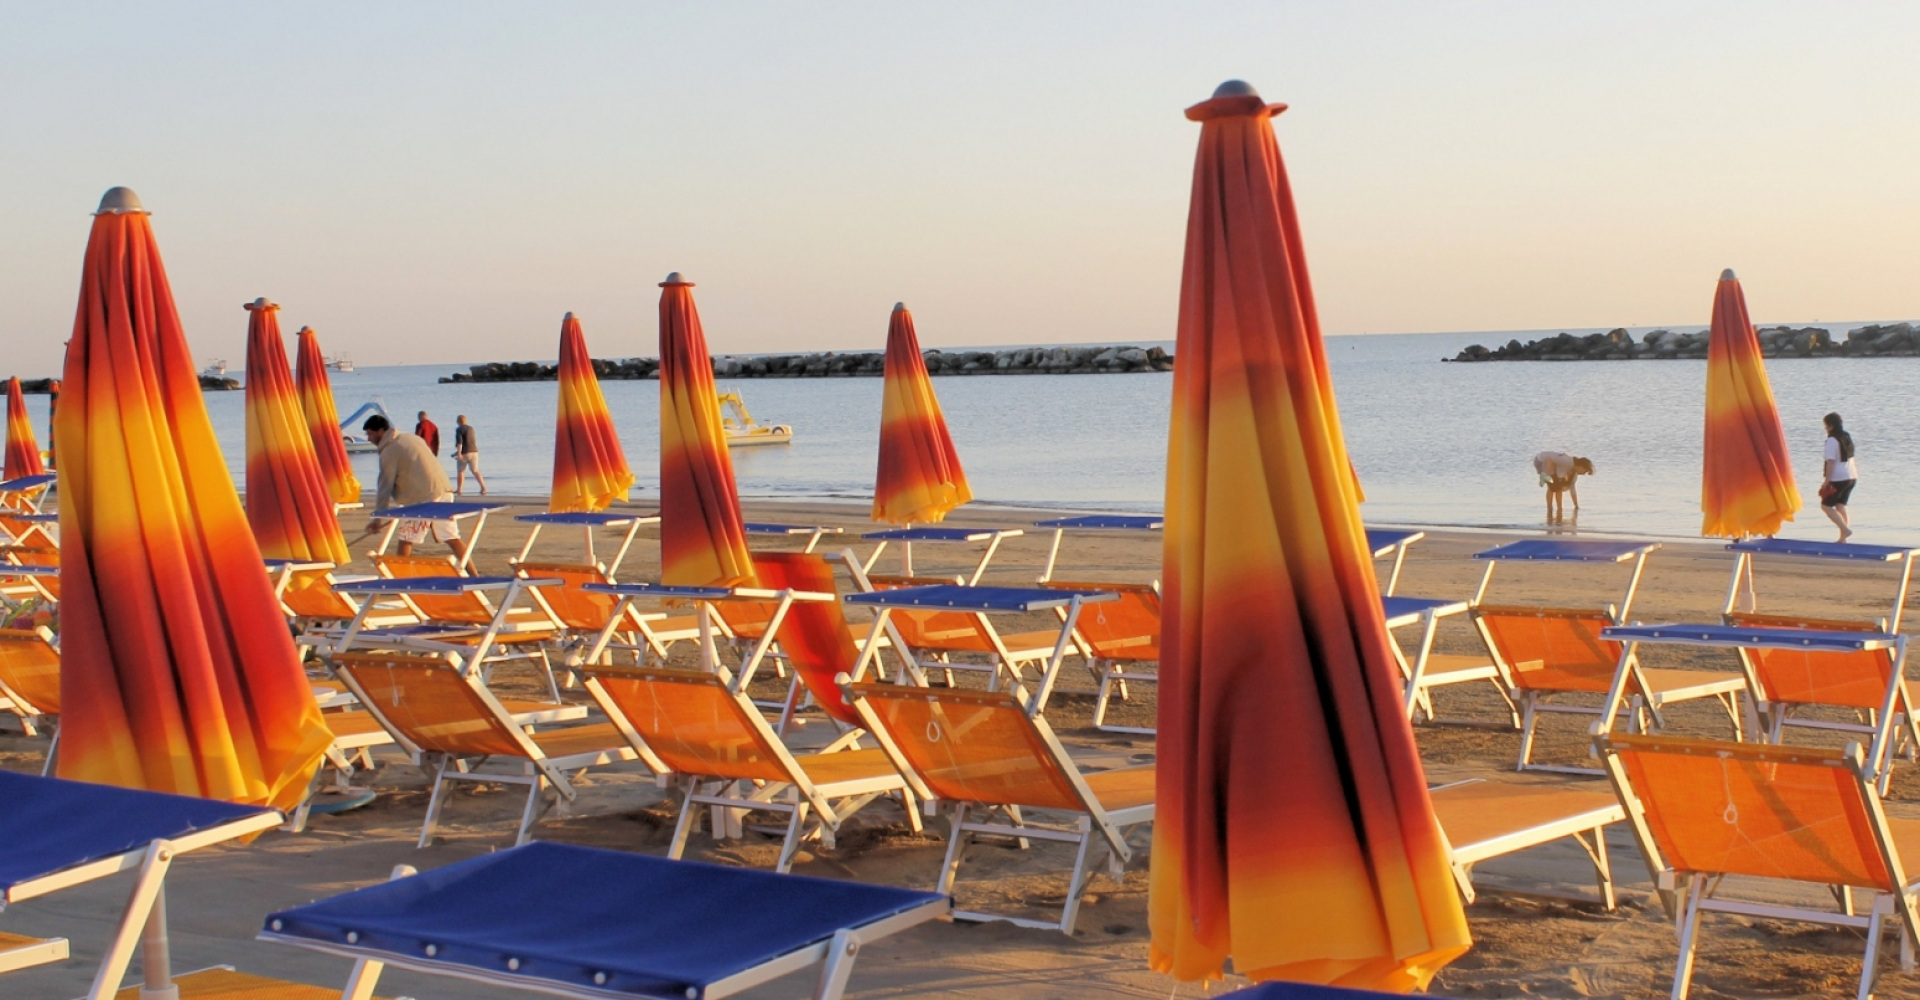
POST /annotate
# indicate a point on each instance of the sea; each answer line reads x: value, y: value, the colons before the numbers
x: 1435, y: 444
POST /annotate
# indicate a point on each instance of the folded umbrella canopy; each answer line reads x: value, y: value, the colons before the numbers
x: 23, y: 452
x: 1746, y: 478
x: 703, y: 541
x: 287, y: 500
x: 1293, y: 832
x: 323, y: 421
x: 589, y: 468
x: 177, y: 670
x: 920, y: 480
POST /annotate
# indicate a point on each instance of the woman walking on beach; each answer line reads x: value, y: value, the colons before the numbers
x: 1557, y: 471
x: 1840, y: 474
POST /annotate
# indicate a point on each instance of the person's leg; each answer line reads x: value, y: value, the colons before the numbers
x: 459, y: 547
x: 459, y: 476
x: 473, y: 461
x: 1837, y: 513
x: 403, y: 548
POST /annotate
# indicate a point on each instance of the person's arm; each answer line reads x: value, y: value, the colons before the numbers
x: 1573, y: 489
x: 389, y: 472
x: 1826, y: 470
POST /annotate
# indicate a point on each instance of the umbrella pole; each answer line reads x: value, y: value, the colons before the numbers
x: 156, y: 960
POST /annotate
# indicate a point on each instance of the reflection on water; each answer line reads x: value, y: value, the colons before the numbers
x: 1434, y: 443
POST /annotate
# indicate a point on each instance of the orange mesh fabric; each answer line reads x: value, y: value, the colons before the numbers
x: 428, y: 701
x: 310, y: 594
x: 575, y: 608
x: 691, y: 722
x: 30, y: 668
x: 1804, y: 677
x: 26, y: 532
x: 1126, y: 629
x: 949, y: 631
x: 814, y: 633
x: 1747, y: 809
x: 469, y: 607
x: 972, y: 746
x: 1553, y: 649
x: 37, y: 556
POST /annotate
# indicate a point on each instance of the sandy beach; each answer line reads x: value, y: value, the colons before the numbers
x: 1524, y: 944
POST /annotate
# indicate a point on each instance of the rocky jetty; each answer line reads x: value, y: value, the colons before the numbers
x: 829, y: 364
x: 1890, y: 340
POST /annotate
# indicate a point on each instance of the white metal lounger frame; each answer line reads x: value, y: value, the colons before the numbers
x: 473, y: 539
x: 471, y: 656
x: 1397, y: 548
x: 1588, y: 829
x: 1419, y: 689
x: 634, y: 523
x: 992, y: 536
x: 814, y: 532
x: 1743, y: 564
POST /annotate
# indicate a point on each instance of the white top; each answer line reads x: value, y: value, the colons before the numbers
x: 1552, y: 465
x: 1842, y: 471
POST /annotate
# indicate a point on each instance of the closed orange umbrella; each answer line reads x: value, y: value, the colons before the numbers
x: 287, y: 501
x: 323, y: 421
x: 703, y: 541
x: 23, y: 452
x: 177, y: 671
x: 1292, y: 833
x: 920, y: 480
x: 589, y: 468
x: 1746, y: 480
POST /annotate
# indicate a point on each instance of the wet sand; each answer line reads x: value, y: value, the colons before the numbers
x: 1524, y: 944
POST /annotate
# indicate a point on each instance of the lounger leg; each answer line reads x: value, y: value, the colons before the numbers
x: 1602, y: 865
x: 536, y: 790
x: 1100, y: 702
x: 1530, y: 717
x: 838, y: 967
x: 688, y: 810
x: 957, y: 837
x: 53, y: 754
x: 434, y: 802
x: 365, y: 976
x: 1689, y: 932
x: 1876, y: 925
x: 794, y: 828
x: 1077, y: 883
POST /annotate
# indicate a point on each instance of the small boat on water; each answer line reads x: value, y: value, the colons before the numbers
x: 743, y: 431
x: 216, y: 370
x: 339, y: 363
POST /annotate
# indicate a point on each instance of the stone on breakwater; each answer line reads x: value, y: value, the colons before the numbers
x: 830, y: 364
x: 1875, y: 341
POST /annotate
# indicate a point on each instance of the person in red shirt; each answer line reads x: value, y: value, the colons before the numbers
x: 426, y: 430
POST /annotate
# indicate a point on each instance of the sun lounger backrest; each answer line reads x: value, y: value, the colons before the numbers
x: 572, y: 607
x: 467, y: 607
x: 428, y: 702
x: 1552, y: 649
x: 30, y: 668
x: 1807, y: 677
x: 309, y: 594
x: 1756, y: 809
x: 26, y: 532
x: 973, y: 746
x: 814, y: 634
x: 956, y: 631
x: 1125, y: 629
x: 692, y: 722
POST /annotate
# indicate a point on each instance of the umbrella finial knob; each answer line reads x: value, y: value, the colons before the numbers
x: 121, y: 201
x: 303, y: 331
x: 899, y: 307
x: 260, y: 303
x: 674, y: 278
x: 1235, y: 88
x: 568, y: 318
x: 1728, y: 275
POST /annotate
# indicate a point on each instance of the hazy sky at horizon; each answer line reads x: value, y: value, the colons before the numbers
x: 439, y: 183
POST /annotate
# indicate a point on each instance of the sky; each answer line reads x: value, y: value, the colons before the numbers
x: 438, y: 183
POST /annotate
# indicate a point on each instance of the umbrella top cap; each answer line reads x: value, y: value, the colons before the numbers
x: 261, y: 303
x: 121, y: 201
x: 899, y: 307
x: 1728, y: 275
x: 1232, y: 99
x: 674, y: 278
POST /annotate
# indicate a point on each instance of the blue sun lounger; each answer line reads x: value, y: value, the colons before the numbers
x: 588, y: 520
x: 597, y: 924
x: 812, y: 531
x: 1094, y: 523
x: 449, y: 510
x: 958, y: 536
x: 979, y: 602
x: 33, y: 488
x: 55, y: 834
x: 1384, y: 542
x: 1746, y: 550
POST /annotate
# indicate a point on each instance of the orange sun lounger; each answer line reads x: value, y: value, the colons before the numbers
x: 1703, y: 810
x: 986, y: 754
x: 30, y: 683
x: 1482, y: 820
x: 448, y: 719
x: 1121, y: 638
x: 584, y: 614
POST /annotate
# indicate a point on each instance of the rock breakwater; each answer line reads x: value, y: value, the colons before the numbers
x: 856, y: 364
x: 1888, y: 340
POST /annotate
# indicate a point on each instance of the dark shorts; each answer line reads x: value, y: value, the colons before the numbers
x: 1842, y: 489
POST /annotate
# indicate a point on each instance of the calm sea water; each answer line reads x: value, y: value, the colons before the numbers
x: 1435, y: 444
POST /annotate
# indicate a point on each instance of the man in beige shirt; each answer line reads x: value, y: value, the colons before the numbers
x: 410, y: 474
